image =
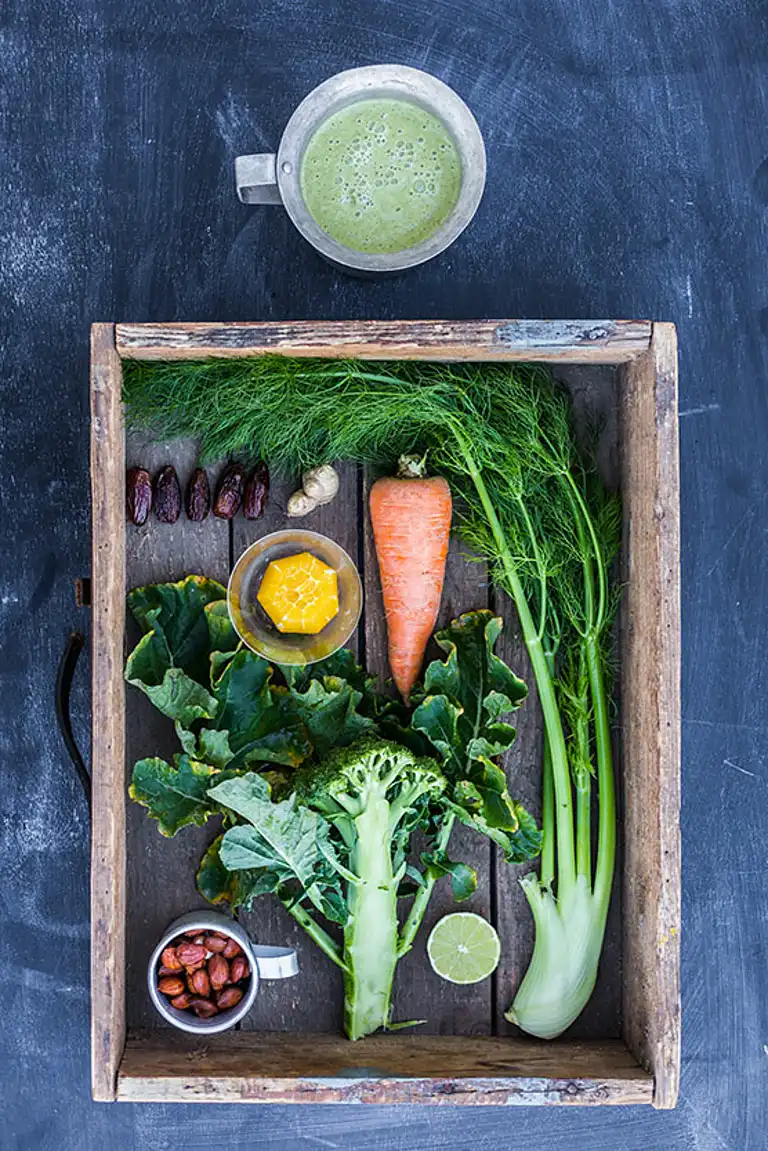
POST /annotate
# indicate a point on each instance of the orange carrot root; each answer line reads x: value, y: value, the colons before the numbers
x: 411, y: 521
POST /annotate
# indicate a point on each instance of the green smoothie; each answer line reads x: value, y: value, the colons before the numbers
x: 381, y: 175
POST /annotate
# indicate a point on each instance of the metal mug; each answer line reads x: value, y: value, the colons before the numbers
x: 264, y: 962
x: 275, y: 178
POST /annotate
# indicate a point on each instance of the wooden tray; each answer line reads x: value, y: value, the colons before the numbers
x: 625, y: 1047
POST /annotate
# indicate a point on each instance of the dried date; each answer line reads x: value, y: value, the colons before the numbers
x: 229, y: 492
x: 256, y: 492
x: 197, y: 500
x: 167, y: 495
x: 138, y: 495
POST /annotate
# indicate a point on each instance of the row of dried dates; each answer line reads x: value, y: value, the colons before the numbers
x: 234, y: 489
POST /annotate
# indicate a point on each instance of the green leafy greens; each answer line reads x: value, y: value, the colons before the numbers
x: 321, y: 780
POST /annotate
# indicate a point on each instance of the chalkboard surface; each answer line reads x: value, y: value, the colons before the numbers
x: 627, y: 177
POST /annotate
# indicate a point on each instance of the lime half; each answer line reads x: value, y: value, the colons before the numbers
x: 463, y: 948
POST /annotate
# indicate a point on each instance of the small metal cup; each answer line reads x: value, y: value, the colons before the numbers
x: 270, y: 178
x: 264, y: 962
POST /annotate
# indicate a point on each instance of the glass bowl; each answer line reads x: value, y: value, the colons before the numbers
x: 252, y: 623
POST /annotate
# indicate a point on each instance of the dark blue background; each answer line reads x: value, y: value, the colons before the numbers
x: 627, y: 144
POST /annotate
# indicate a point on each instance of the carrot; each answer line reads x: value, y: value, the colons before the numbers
x: 411, y: 519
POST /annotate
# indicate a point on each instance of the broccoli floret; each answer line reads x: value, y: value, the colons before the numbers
x: 351, y: 777
x: 373, y: 792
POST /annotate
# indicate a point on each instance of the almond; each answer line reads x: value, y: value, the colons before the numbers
x: 214, y: 943
x: 203, y: 1008
x: 239, y: 969
x: 232, y: 949
x: 229, y: 997
x: 182, y: 1002
x: 170, y: 985
x: 218, y: 970
x: 191, y: 955
x: 199, y: 983
x: 170, y: 959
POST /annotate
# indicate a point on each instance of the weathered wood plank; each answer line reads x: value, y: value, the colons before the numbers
x: 313, y: 1000
x: 590, y: 341
x: 651, y: 713
x: 251, y: 1068
x: 418, y: 992
x: 107, y: 749
x: 161, y: 871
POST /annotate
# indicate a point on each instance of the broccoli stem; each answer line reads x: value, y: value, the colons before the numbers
x: 316, y: 932
x: 370, y: 937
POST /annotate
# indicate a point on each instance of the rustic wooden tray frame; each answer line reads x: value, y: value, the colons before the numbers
x: 248, y: 1066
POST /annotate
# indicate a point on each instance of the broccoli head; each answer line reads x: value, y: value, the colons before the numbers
x: 370, y: 769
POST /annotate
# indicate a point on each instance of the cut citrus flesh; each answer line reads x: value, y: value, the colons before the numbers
x: 299, y: 593
x: 463, y: 948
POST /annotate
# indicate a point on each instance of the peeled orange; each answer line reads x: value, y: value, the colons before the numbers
x: 299, y: 593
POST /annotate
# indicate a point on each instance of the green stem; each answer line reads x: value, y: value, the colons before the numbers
x: 583, y: 773
x: 316, y: 932
x: 606, y: 826
x: 539, y: 565
x: 602, y: 582
x: 421, y: 898
x: 547, y: 819
x: 552, y: 722
x: 579, y: 515
x: 547, y: 876
x: 583, y: 831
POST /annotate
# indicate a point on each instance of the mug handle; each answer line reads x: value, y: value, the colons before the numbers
x: 275, y: 962
x: 256, y: 179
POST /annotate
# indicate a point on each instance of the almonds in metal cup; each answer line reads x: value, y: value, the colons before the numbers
x: 195, y: 974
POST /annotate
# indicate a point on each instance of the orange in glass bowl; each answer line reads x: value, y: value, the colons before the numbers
x: 256, y: 625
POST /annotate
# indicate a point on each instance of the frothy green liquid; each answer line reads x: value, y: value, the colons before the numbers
x: 381, y: 175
